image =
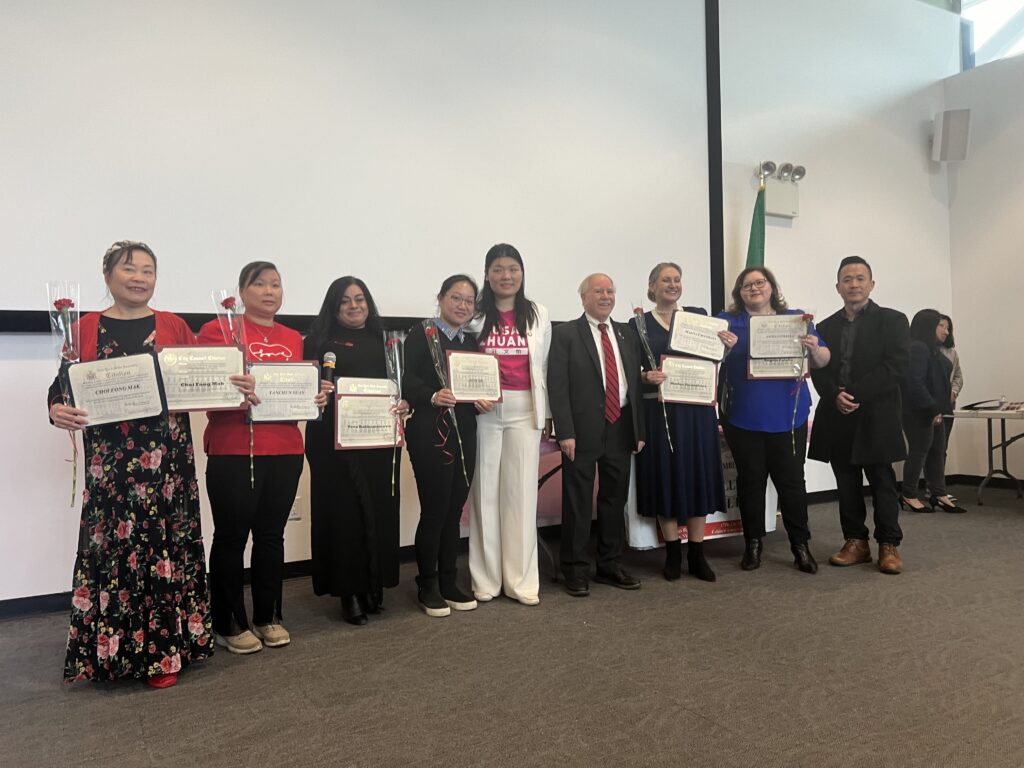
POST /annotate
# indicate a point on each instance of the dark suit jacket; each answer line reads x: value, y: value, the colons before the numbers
x: 873, y: 434
x: 576, y: 388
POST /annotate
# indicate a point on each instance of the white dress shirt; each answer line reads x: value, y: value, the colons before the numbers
x: 613, y: 333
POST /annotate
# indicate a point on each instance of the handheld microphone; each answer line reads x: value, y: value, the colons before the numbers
x: 330, y: 360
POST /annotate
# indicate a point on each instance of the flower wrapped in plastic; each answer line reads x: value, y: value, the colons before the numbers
x: 232, y: 329
x: 441, y: 369
x: 62, y: 305
x: 394, y: 356
x: 645, y: 343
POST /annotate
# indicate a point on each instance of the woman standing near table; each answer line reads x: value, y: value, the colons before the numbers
x: 947, y: 346
x: 355, y: 508
x: 684, y: 485
x: 139, y: 595
x: 441, y: 436
x: 503, y: 515
x: 927, y: 397
x: 252, y: 494
x: 765, y: 422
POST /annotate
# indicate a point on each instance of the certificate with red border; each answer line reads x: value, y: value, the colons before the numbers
x: 474, y: 376
x: 365, y: 421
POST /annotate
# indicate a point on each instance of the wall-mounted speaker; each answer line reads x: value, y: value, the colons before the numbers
x: 952, y: 136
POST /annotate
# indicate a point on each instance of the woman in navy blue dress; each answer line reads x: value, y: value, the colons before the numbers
x: 684, y: 485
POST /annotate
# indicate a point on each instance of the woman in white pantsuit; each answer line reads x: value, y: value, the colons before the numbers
x: 503, y: 519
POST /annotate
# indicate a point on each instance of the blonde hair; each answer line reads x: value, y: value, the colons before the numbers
x: 656, y: 273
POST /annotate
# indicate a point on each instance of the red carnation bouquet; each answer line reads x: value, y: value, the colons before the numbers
x: 232, y: 329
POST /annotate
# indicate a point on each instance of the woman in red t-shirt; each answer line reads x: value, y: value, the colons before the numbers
x: 258, y: 502
x: 503, y: 521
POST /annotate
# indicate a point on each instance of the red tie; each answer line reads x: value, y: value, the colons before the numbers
x: 611, y: 377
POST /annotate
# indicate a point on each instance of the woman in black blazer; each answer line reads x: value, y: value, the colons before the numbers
x: 926, y: 399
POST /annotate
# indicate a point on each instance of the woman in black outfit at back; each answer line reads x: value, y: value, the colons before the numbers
x: 926, y: 398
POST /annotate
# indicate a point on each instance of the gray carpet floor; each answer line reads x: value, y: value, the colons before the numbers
x: 768, y: 668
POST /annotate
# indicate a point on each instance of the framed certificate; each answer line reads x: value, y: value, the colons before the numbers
x: 690, y: 380
x: 693, y: 334
x: 365, y: 421
x: 777, y: 336
x: 350, y: 385
x: 286, y: 391
x: 777, y: 368
x: 473, y: 376
x: 196, y: 378
x: 116, y: 389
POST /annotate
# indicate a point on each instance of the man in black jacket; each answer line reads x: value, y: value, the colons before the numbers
x: 857, y: 424
x: 595, y: 397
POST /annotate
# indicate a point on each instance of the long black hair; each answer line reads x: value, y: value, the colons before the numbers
x: 526, y: 310
x: 326, y: 322
x: 922, y: 327
x: 948, y: 343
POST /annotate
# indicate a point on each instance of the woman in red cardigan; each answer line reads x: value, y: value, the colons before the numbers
x: 139, y: 603
x: 254, y: 498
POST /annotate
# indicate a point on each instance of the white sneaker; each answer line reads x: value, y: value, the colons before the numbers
x: 529, y: 600
x: 483, y: 597
x: 244, y: 643
x: 272, y: 635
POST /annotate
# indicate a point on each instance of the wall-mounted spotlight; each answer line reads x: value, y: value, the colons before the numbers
x: 765, y: 170
x: 785, y: 171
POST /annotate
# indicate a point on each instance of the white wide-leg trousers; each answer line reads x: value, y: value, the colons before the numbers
x: 503, y: 517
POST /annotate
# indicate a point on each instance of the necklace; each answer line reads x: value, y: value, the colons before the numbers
x: 262, y: 330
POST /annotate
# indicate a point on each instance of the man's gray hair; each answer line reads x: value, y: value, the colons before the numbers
x: 586, y: 281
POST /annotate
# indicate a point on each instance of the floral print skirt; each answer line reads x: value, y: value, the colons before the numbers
x: 140, y: 604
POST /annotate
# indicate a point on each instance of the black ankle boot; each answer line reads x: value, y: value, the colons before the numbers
x: 673, y: 560
x: 752, y: 555
x: 696, y: 564
x: 803, y: 559
x: 352, y: 611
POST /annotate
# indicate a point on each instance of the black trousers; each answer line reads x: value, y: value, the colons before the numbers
x: 240, y: 509
x: 852, y: 510
x: 609, y: 464
x: 442, y: 490
x: 926, y: 449
x: 758, y: 456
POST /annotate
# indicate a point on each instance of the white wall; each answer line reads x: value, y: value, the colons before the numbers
x: 849, y: 91
x: 986, y: 236
x: 396, y: 140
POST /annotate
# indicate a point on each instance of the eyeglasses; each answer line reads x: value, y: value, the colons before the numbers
x: 456, y: 299
x: 754, y: 285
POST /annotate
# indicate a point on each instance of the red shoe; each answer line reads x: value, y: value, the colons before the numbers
x: 162, y: 681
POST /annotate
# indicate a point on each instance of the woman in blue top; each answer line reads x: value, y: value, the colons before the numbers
x: 765, y: 421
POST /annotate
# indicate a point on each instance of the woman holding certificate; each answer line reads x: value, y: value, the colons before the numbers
x: 765, y: 406
x: 679, y: 483
x: 252, y: 474
x: 355, y: 493
x: 503, y: 516
x: 139, y: 595
x: 441, y: 435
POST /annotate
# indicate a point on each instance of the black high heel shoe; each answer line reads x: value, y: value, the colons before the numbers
x: 906, y: 506
x: 940, y: 504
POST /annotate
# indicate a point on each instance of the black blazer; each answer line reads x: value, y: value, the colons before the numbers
x: 877, y: 367
x: 576, y: 386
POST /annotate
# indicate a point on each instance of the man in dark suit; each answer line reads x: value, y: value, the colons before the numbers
x: 595, y: 396
x: 857, y: 424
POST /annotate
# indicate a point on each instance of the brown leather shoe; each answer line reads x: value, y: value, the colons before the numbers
x: 889, y: 559
x: 854, y: 552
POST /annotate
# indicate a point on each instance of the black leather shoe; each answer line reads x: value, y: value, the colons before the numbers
x: 370, y: 603
x: 577, y: 586
x: 752, y: 555
x: 617, y: 578
x: 352, y: 611
x: 803, y: 558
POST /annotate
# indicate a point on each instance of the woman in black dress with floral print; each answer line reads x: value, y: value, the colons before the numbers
x: 140, y: 605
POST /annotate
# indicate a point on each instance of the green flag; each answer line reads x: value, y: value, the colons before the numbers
x: 755, y: 246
